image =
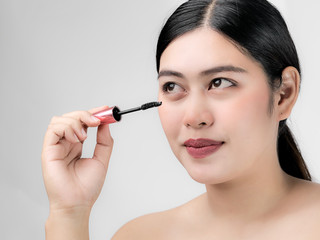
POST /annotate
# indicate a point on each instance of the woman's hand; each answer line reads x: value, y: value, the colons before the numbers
x: 74, y: 183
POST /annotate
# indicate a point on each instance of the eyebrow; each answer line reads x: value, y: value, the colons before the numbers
x: 219, y: 69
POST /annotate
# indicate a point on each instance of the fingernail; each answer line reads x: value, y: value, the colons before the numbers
x: 95, y: 119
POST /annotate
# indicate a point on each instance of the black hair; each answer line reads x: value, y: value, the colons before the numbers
x: 259, y: 30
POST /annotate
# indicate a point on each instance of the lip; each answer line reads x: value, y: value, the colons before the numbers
x: 202, y: 147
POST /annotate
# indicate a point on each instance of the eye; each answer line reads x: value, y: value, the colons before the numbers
x: 220, y: 83
x: 171, y: 88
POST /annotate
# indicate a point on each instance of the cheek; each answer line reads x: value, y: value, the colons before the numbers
x: 247, y: 113
x: 170, y: 119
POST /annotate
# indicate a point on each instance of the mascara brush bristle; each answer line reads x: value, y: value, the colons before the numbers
x: 150, y: 105
x: 142, y: 107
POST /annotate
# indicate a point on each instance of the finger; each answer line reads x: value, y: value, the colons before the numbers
x: 104, y: 145
x: 59, y: 131
x: 74, y: 154
x: 98, y: 109
x: 57, y: 152
x: 85, y: 117
x: 79, y: 129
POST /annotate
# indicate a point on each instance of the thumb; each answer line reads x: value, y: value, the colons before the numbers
x: 103, y: 149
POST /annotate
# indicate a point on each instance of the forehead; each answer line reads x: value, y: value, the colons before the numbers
x: 202, y: 49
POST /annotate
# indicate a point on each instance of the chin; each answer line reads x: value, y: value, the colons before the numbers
x: 208, y: 176
x: 207, y: 171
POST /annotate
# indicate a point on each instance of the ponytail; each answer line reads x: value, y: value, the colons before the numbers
x: 290, y: 158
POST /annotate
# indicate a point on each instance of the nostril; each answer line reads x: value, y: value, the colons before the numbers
x: 199, y: 125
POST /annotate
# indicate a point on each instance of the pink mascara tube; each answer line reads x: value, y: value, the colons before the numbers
x: 113, y: 114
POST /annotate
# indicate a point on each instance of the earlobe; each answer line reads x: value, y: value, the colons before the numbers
x: 288, y: 92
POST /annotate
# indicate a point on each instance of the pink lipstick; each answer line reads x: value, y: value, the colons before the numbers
x: 113, y: 114
x: 202, y: 147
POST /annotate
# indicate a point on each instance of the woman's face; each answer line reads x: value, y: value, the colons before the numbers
x: 215, y: 108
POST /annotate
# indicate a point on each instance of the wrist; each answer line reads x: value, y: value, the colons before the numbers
x: 71, y: 223
x: 70, y: 212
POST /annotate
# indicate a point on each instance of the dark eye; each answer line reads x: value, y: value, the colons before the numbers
x: 168, y: 87
x: 171, y: 87
x: 220, y: 83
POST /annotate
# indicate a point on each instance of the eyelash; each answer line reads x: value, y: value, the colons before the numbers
x: 222, y: 79
x: 167, y: 85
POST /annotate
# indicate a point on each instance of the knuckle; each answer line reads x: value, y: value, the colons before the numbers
x: 111, y: 141
x: 78, y: 115
x: 74, y: 114
x: 54, y: 119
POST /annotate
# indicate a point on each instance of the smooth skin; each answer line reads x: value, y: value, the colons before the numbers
x: 73, y: 183
x: 248, y: 195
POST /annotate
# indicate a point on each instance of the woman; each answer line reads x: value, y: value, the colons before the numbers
x: 229, y: 77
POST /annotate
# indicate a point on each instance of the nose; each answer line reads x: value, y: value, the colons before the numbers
x: 198, y: 114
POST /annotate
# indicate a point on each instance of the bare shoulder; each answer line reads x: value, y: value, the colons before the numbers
x: 306, y: 196
x: 144, y: 227
x: 301, y: 211
x: 309, y: 190
x: 156, y: 226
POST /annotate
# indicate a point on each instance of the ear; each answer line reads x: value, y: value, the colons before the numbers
x: 288, y: 92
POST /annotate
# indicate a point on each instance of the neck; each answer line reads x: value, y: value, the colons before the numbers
x: 250, y: 197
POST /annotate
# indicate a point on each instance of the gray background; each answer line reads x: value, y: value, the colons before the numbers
x: 65, y: 55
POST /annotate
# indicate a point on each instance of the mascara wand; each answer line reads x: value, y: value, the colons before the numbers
x: 142, y: 107
x: 114, y: 114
